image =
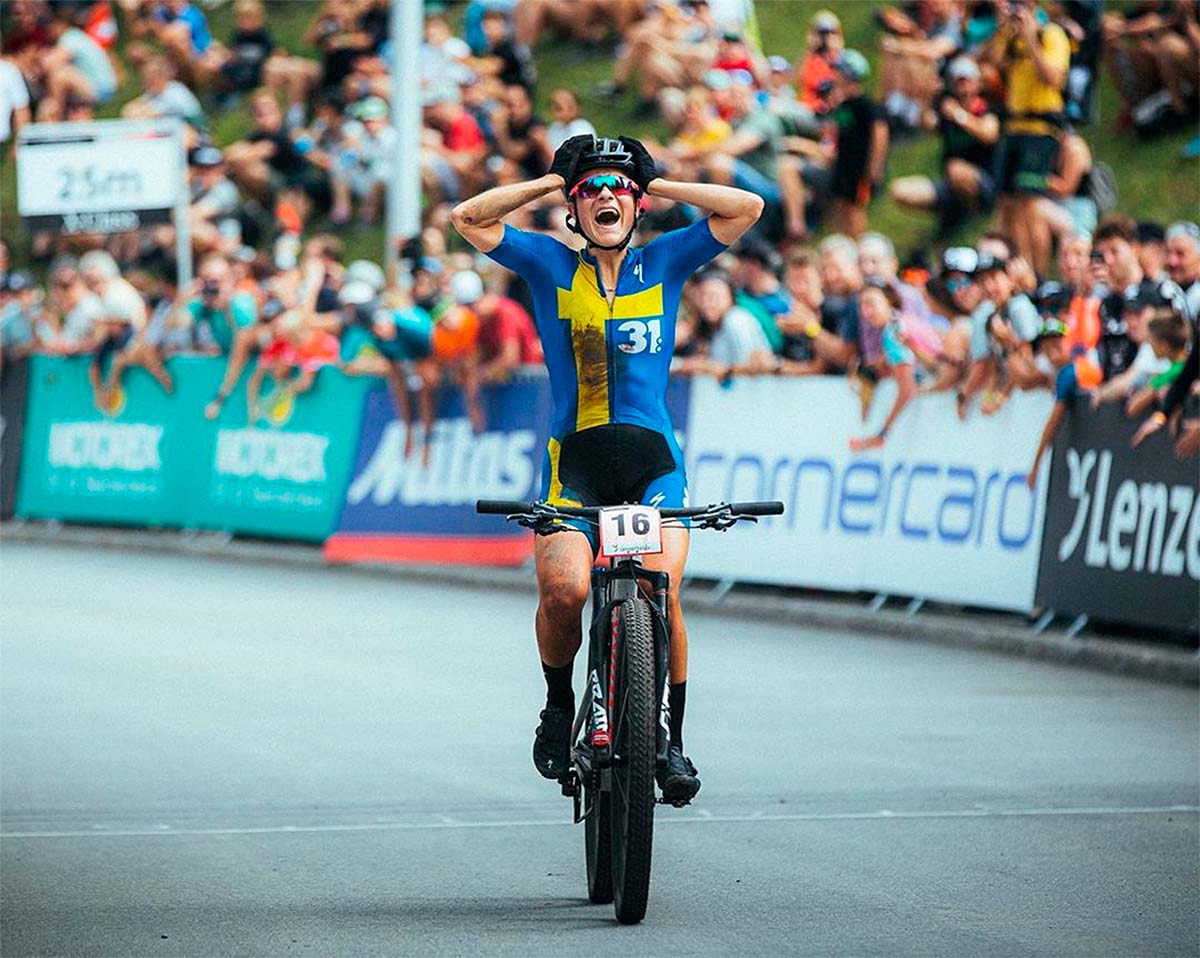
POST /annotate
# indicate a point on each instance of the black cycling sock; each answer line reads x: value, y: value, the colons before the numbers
x: 676, y: 699
x: 558, y: 686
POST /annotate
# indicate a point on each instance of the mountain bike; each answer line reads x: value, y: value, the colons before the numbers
x: 622, y: 727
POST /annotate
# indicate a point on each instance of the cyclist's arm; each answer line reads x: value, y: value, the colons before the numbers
x: 478, y: 220
x: 732, y: 211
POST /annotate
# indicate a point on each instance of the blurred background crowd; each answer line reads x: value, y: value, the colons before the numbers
x: 1035, y: 278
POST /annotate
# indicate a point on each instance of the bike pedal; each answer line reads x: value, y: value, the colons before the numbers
x: 570, y: 785
x: 677, y: 803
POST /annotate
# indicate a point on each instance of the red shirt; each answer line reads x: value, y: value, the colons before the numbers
x: 509, y: 323
x: 463, y: 135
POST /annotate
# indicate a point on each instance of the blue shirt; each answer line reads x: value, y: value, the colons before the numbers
x: 607, y: 364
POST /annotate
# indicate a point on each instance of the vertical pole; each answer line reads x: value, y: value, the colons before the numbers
x: 183, y: 220
x: 405, y: 27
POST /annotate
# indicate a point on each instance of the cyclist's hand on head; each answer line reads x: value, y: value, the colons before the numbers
x: 566, y: 157
x: 643, y: 163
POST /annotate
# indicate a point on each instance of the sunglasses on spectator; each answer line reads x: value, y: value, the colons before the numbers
x: 955, y: 283
x: 591, y: 187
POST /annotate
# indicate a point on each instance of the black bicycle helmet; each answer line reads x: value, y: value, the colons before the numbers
x: 605, y: 153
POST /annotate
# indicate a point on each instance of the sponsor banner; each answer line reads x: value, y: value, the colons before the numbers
x: 14, y: 378
x: 941, y: 512
x: 153, y: 459
x: 1122, y: 540
x: 402, y: 508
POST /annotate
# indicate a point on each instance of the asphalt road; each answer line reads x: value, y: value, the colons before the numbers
x: 206, y: 758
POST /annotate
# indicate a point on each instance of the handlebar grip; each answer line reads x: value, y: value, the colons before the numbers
x: 501, y: 507
x: 773, y: 508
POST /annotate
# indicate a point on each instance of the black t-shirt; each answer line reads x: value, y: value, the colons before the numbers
x: 518, y: 65
x: 533, y: 164
x: 958, y: 143
x: 855, y: 120
x: 250, y: 51
x: 287, y: 159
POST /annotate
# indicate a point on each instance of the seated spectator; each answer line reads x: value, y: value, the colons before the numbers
x: 914, y: 52
x: 752, y: 159
x: 68, y: 326
x: 215, y: 204
x: 344, y: 32
x: 503, y: 60
x: 586, y: 21
x: 268, y: 163
x: 1152, y: 55
x: 74, y: 68
x: 672, y: 47
x: 969, y: 129
x: 567, y: 122
x: 700, y: 132
x: 181, y: 28
x: 250, y: 50
x: 879, y: 307
x: 1068, y: 207
x: 163, y: 96
x: 825, y: 45
x: 1183, y: 264
x: 453, y: 147
x: 862, y: 145
x: 521, y: 137
x: 371, y: 141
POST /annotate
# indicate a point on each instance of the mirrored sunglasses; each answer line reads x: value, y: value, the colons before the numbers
x: 590, y: 188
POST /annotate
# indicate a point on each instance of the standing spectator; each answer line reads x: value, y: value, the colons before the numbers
x: 1034, y: 59
x: 837, y: 342
x: 802, y: 324
x: 564, y: 108
x: 521, y: 136
x: 163, y: 95
x: 1183, y: 264
x: 969, y: 129
x: 1114, y: 241
x: 75, y: 68
x: 68, y: 327
x: 736, y: 341
x: 373, y: 143
x: 1083, y: 311
x: 507, y: 337
x: 879, y: 307
x: 862, y: 144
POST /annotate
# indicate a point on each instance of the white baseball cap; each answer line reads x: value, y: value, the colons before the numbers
x: 466, y: 287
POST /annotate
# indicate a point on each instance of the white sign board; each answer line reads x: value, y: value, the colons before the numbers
x: 941, y: 512
x: 103, y: 177
x: 630, y: 531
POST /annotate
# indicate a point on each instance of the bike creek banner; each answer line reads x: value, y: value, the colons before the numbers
x: 940, y: 512
x: 401, y: 509
x: 14, y: 379
x: 155, y: 460
x: 1122, y: 540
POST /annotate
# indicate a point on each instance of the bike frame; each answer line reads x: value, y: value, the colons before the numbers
x: 612, y: 584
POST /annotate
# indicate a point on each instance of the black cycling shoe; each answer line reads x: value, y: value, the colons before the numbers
x: 678, y: 779
x: 552, y: 742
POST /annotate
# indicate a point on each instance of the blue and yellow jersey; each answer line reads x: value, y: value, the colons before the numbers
x: 607, y: 364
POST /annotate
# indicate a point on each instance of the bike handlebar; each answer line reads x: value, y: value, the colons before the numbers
x: 508, y: 507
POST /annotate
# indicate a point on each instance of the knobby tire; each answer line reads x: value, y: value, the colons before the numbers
x: 632, y: 809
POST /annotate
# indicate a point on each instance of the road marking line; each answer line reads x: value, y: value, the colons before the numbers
x: 754, y: 818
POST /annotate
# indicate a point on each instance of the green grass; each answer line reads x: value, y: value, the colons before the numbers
x: 1154, y: 182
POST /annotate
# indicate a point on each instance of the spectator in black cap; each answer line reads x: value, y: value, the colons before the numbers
x: 215, y: 203
x: 759, y: 288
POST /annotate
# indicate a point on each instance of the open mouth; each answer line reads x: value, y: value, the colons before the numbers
x: 608, y: 217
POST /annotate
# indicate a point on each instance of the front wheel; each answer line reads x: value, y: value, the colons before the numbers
x: 632, y: 793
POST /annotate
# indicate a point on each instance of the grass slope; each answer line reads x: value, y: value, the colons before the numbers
x: 1154, y: 182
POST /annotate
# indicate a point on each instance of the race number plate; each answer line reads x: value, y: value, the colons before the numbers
x: 630, y: 531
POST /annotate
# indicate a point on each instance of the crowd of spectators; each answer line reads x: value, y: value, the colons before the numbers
x: 1004, y: 85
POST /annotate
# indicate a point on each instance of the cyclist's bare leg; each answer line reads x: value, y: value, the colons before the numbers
x: 672, y: 560
x: 563, y: 562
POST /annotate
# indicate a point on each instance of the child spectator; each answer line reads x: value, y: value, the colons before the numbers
x: 879, y: 307
x: 1168, y: 337
x: 566, y: 123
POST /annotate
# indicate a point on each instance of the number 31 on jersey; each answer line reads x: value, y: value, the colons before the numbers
x: 642, y: 336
